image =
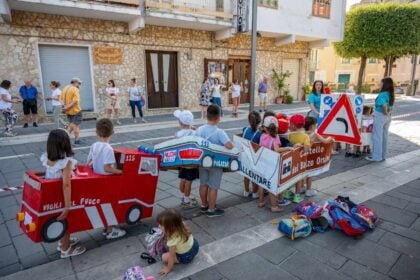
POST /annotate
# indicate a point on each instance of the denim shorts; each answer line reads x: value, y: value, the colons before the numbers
x: 189, y: 256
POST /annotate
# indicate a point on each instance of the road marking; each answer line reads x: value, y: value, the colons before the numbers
x: 405, y: 115
x: 16, y: 156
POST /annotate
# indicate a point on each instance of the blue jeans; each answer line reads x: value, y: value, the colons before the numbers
x: 218, y: 101
x: 380, y: 135
x: 133, y: 105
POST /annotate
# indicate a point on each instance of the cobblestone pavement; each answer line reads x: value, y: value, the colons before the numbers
x: 17, y: 252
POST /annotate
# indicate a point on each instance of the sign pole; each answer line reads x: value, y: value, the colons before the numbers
x: 253, y: 54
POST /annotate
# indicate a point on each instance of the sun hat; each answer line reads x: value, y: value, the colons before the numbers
x: 270, y: 120
x: 298, y: 120
x: 185, y: 116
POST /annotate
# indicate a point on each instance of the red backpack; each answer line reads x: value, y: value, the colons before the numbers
x: 343, y: 221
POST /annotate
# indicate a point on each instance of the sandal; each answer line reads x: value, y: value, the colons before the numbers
x: 148, y: 257
x: 73, y: 241
x: 261, y: 205
x: 72, y: 252
x: 276, y: 209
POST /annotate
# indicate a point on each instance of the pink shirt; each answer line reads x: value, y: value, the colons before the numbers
x: 268, y: 142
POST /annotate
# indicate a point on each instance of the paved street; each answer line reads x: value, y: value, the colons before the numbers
x: 391, y: 188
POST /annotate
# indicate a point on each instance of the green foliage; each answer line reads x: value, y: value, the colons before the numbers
x: 381, y: 30
x: 288, y: 99
x: 307, y: 89
x: 280, y: 80
x: 366, y: 88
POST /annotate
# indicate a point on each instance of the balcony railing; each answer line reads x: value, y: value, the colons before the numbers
x: 211, y: 8
x: 133, y: 3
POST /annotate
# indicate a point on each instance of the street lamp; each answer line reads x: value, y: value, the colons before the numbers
x: 253, y: 54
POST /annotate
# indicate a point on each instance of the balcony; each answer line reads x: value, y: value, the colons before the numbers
x: 211, y: 15
x: 133, y: 3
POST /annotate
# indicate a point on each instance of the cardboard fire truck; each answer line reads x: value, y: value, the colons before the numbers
x: 97, y: 200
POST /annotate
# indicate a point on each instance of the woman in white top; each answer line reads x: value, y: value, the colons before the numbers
x: 6, y: 101
x: 112, y: 92
x: 136, y: 100
x: 56, y: 103
x: 236, y: 89
x: 216, y: 95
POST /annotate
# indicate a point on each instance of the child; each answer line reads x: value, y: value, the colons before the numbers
x: 298, y: 138
x: 367, y: 129
x: 253, y: 134
x: 59, y: 163
x: 270, y: 139
x: 182, y: 246
x: 210, y: 178
x: 101, y: 156
x: 310, y: 126
x: 187, y: 175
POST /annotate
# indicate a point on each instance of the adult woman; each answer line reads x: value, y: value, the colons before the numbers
x: 204, y: 97
x: 56, y: 103
x: 236, y: 89
x: 6, y: 101
x: 112, y: 92
x: 314, y: 99
x: 382, y: 119
x: 216, y: 94
x: 136, y: 99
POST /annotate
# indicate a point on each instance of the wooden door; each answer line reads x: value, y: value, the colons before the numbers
x: 162, y: 79
x: 242, y: 72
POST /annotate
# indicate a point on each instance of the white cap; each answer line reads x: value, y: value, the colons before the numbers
x: 76, y: 79
x: 185, y: 116
x: 270, y: 120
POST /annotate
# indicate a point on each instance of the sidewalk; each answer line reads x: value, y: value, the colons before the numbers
x: 244, y: 244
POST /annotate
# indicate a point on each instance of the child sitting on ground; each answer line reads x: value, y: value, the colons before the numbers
x: 186, y: 174
x: 101, y: 157
x: 59, y: 163
x: 270, y: 140
x: 182, y: 246
x: 253, y: 134
x: 310, y: 126
x: 298, y: 138
x: 210, y: 178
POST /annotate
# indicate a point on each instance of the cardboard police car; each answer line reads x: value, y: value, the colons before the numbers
x: 194, y: 151
x: 97, y: 200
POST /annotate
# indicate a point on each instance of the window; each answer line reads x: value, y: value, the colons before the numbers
x: 321, y: 8
x: 345, y: 60
x: 373, y: 61
x: 268, y: 3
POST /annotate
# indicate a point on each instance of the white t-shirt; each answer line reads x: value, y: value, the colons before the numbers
x: 56, y: 171
x: 236, y: 91
x: 113, y: 91
x: 3, y: 104
x: 216, y: 90
x: 56, y: 93
x: 101, y: 153
x: 135, y: 93
x: 184, y: 132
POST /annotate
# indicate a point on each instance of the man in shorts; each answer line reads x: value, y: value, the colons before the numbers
x: 70, y: 97
x: 29, y: 94
x: 262, y: 92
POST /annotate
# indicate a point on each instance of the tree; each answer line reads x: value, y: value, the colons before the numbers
x: 384, y: 31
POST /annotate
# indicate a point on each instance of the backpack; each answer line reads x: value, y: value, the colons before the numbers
x: 365, y: 216
x: 309, y: 209
x: 134, y: 273
x: 297, y: 226
x: 319, y: 224
x: 343, y: 221
x: 156, y: 243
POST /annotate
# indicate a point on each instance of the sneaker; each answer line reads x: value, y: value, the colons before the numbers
x: 288, y: 194
x: 10, y: 134
x: 73, y: 241
x: 246, y: 194
x: 215, y: 213
x: 118, y: 122
x: 35, y: 124
x: 284, y: 202
x: 255, y: 195
x: 189, y: 205
x: 115, y: 233
x: 348, y: 154
x: 370, y: 159
x: 310, y: 193
x: 72, y: 252
x: 297, y: 199
x: 303, y: 190
x: 143, y: 120
x: 25, y: 125
x: 204, y: 209
x: 134, y: 120
x: 78, y: 142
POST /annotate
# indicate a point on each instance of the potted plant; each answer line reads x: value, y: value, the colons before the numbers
x: 279, y: 80
x: 288, y: 99
x: 306, y: 89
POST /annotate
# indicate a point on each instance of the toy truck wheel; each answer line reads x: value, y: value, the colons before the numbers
x: 53, y: 230
x: 133, y: 215
x: 234, y: 165
x: 207, y: 162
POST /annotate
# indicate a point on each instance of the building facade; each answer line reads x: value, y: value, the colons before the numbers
x: 169, y: 46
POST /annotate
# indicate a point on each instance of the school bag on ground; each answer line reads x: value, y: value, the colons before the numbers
x: 342, y: 220
x: 297, y: 226
x: 309, y: 209
x: 134, y: 273
x: 156, y: 243
x: 319, y: 224
x: 366, y: 217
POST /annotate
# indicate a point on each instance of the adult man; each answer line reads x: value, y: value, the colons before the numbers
x: 262, y: 92
x: 29, y: 94
x: 70, y: 97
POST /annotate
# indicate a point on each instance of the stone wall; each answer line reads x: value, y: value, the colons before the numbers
x: 19, y: 55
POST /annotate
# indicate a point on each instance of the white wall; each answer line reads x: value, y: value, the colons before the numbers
x: 295, y: 17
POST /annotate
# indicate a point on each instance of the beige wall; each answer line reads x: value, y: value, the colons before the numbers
x: 19, y: 54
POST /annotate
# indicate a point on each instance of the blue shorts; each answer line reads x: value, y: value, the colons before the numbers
x: 189, y: 256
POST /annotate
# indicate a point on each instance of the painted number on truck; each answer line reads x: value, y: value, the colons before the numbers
x: 205, y: 143
x: 130, y: 158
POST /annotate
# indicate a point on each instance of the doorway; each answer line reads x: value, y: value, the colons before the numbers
x: 240, y: 69
x: 162, y: 79
x: 343, y: 81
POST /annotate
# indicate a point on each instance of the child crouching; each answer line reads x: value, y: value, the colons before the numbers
x: 182, y: 247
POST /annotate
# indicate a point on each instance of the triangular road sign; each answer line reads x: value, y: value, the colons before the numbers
x: 340, y: 123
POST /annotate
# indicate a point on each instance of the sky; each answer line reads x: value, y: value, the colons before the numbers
x: 351, y: 2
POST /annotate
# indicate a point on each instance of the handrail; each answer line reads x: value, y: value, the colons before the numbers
x: 134, y: 3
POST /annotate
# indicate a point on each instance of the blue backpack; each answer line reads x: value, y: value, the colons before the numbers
x: 297, y: 226
x: 343, y: 221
